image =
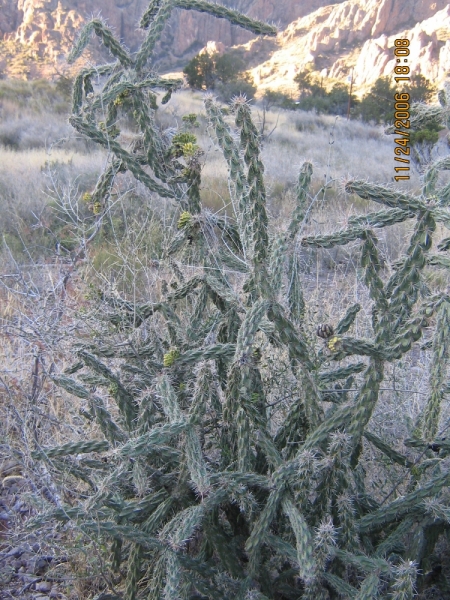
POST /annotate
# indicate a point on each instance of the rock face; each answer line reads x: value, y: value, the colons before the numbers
x: 50, y: 26
x: 190, y: 29
x: 359, y: 36
x: 328, y: 38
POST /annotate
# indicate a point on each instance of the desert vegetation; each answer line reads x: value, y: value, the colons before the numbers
x: 224, y: 353
x: 373, y: 106
x: 225, y: 74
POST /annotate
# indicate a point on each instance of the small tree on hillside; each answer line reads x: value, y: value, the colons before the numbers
x: 200, y: 71
x: 337, y: 99
x: 423, y: 133
x: 207, y: 70
x: 272, y: 98
x: 229, y: 67
x: 423, y: 143
x: 308, y: 85
x: 377, y: 105
x: 313, y: 96
x: 420, y: 89
x: 424, y: 138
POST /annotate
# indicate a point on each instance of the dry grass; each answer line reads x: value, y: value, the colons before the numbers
x: 29, y: 181
x: 336, y: 146
x: 29, y: 163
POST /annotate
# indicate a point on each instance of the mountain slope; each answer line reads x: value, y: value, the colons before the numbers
x: 360, y: 35
x: 314, y: 34
x: 48, y: 27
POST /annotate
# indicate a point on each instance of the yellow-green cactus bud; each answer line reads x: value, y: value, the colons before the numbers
x: 257, y: 354
x: 191, y: 120
x: 87, y: 197
x: 185, y: 219
x: 121, y: 97
x: 170, y: 357
x: 189, y: 149
x: 97, y: 208
x: 113, y: 389
x: 184, y: 143
x: 415, y: 472
x: 334, y: 343
x: 113, y: 132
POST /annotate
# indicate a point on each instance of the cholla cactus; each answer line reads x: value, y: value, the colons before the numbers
x: 203, y: 494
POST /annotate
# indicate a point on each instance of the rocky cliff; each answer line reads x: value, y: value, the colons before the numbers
x: 48, y: 27
x: 333, y: 39
x: 358, y: 36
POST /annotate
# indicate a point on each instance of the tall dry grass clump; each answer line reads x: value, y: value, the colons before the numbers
x: 200, y: 489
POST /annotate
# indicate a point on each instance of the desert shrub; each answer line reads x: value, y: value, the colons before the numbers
x: 208, y: 70
x: 200, y: 71
x: 314, y: 96
x: 38, y: 94
x: 426, y: 123
x: 32, y: 220
x: 272, y: 98
x: 377, y: 105
x: 423, y: 142
x: 224, y: 74
x: 243, y: 86
x: 205, y: 489
x: 309, y: 122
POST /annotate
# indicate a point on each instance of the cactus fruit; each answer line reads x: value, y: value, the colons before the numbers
x: 325, y: 331
x: 170, y: 357
x: 185, y: 219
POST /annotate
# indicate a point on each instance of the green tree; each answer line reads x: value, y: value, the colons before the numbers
x: 205, y: 70
x: 423, y: 133
x: 200, y: 71
x: 377, y: 105
x: 419, y: 89
x: 229, y: 66
x: 272, y: 98
x: 313, y: 96
x: 423, y: 140
x: 308, y: 85
x: 64, y: 86
x: 337, y: 100
x: 425, y: 136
